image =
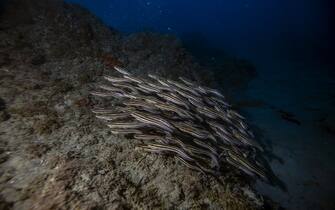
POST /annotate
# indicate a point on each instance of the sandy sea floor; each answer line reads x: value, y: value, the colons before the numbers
x: 305, y: 156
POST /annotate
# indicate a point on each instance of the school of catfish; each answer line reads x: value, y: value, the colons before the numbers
x: 193, y: 123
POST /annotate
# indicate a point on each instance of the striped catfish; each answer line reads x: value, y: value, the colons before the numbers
x: 186, y: 81
x: 154, y: 147
x: 189, y: 129
x: 121, y: 131
x: 121, y: 70
x: 153, y: 120
x: 174, y: 99
x: 126, y: 125
x: 245, y: 163
x: 115, y: 79
x: 133, y: 79
x: 184, y: 87
x: 113, y: 116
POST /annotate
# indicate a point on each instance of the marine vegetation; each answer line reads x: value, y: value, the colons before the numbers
x: 191, y: 122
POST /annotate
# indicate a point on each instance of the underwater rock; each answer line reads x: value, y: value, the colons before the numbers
x: 111, y: 61
x: 3, y: 112
x: 38, y: 60
x: 2, y: 104
x: 4, y: 116
x: 4, y: 59
x: 5, y: 205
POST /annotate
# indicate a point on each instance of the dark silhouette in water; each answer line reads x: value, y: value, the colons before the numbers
x: 289, y: 117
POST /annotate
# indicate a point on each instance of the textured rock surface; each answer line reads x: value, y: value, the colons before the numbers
x: 53, y: 153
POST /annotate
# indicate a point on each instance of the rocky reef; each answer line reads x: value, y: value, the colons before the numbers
x: 54, y: 154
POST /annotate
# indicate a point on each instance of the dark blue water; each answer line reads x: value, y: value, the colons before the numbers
x: 291, y: 45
